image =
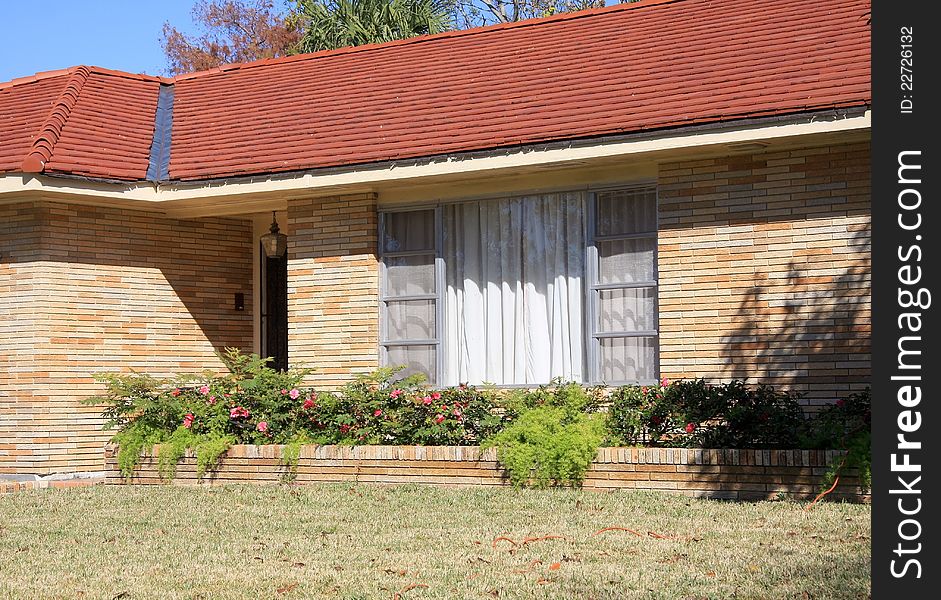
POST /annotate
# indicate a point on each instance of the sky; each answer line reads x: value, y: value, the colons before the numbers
x: 116, y: 34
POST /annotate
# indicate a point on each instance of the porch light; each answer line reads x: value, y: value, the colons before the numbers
x: 274, y: 242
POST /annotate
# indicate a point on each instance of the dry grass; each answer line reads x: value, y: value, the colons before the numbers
x: 375, y: 542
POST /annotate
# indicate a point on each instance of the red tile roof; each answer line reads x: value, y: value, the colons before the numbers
x: 634, y: 67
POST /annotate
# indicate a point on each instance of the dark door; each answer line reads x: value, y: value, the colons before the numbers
x: 274, y: 316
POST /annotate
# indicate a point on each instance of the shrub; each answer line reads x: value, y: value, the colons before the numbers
x: 694, y: 413
x: 845, y: 425
x: 553, y: 440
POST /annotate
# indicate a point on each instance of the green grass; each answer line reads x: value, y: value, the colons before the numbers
x: 348, y: 542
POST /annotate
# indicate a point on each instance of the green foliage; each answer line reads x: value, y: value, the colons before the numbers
x: 329, y: 24
x: 544, y: 436
x: 696, y: 414
x: 553, y: 440
x: 845, y: 425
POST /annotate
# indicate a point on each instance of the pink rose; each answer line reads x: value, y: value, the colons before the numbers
x: 294, y: 394
x: 262, y: 426
x: 439, y: 419
x: 377, y: 413
x: 284, y: 392
x: 395, y: 393
x: 212, y: 400
x: 188, y: 420
x: 308, y: 404
x: 690, y: 427
x: 426, y: 400
x: 664, y: 382
x: 204, y: 390
x: 175, y: 392
x: 238, y: 412
x: 435, y: 396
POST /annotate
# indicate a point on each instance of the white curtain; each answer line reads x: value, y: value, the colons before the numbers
x: 515, y: 273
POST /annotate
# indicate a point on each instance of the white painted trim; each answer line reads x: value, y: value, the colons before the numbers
x: 264, y: 192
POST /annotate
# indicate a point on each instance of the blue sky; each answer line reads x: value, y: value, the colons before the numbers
x: 116, y: 34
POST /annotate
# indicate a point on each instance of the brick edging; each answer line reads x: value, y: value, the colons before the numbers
x: 715, y: 473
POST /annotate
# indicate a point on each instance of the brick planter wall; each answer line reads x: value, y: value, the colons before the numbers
x: 729, y: 474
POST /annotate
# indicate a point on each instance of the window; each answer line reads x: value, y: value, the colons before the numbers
x: 522, y: 290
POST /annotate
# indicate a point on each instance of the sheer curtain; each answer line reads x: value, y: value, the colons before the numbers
x: 513, y: 305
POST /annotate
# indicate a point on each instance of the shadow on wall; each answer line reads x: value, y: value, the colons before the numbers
x: 110, y: 285
x: 807, y: 329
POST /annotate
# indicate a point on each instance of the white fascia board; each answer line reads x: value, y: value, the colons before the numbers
x: 254, y: 192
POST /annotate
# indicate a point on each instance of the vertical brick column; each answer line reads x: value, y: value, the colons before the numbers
x: 765, y: 269
x: 333, y: 287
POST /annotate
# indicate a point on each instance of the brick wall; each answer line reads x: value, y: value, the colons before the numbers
x: 729, y: 474
x: 765, y: 269
x: 87, y: 289
x: 333, y: 287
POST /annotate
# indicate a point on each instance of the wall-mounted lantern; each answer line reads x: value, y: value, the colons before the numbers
x: 274, y: 242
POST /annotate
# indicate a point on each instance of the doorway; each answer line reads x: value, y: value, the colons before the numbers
x: 274, y: 310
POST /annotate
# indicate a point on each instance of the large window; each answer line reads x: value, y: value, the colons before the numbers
x: 523, y: 290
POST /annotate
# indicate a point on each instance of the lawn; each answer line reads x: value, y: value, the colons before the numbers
x: 342, y: 541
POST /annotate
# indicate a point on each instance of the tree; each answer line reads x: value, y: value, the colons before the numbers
x: 475, y: 13
x: 328, y: 24
x: 231, y: 31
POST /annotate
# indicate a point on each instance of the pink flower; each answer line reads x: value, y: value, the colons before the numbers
x: 175, y: 392
x: 435, y: 396
x: 188, y: 420
x: 439, y: 419
x: 212, y: 400
x: 308, y: 404
x: 284, y: 392
x: 643, y: 390
x: 426, y: 400
x: 204, y: 390
x: 377, y: 413
x: 456, y: 413
x: 238, y: 412
x: 664, y: 382
x: 395, y: 393
x: 444, y: 408
x: 262, y: 426
x: 294, y: 394
x: 690, y: 427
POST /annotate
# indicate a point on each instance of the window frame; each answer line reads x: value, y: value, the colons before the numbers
x: 437, y: 296
x: 592, y: 286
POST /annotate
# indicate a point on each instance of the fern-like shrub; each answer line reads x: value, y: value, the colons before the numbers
x: 553, y: 439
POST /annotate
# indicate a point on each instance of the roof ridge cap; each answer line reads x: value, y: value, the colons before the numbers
x: 36, y: 77
x: 45, y: 141
x: 536, y: 21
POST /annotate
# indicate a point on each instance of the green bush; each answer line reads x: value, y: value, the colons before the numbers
x: 544, y: 436
x: 696, y: 414
x: 553, y: 439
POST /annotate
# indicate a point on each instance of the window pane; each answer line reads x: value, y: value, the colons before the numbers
x: 627, y: 211
x: 628, y: 359
x: 410, y: 320
x: 411, y: 230
x: 626, y: 261
x: 408, y: 275
x: 415, y: 359
x: 629, y: 309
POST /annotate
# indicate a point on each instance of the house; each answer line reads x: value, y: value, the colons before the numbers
x: 669, y: 188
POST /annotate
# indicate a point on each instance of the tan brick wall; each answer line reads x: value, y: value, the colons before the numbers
x: 333, y: 287
x: 765, y: 269
x: 731, y: 474
x: 104, y: 289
